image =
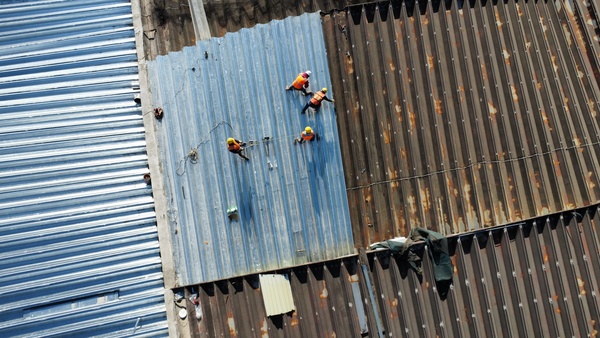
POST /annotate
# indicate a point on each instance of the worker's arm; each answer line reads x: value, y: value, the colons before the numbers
x: 328, y: 99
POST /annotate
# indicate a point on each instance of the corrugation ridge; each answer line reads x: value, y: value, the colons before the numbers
x: 260, y: 107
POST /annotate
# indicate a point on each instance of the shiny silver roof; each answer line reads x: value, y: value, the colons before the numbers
x: 79, y: 251
x: 290, y: 199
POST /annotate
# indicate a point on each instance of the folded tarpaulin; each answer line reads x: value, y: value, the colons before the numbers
x: 443, y: 269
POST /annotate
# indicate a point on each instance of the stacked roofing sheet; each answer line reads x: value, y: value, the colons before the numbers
x: 533, y: 279
x: 460, y: 118
x: 78, y: 243
x: 289, y: 200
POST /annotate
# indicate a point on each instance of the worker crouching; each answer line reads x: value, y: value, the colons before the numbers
x: 315, y: 101
x: 301, y: 83
x: 307, y: 135
x: 235, y: 146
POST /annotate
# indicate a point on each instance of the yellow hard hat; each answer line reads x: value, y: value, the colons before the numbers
x: 308, y: 130
x: 230, y: 140
x: 324, y: 90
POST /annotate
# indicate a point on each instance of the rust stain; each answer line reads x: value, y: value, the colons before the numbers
x: 579, y: 37
x: 592, y: 107
x: 546, y: 120
x: 349, y: 63
x: 353, y: 278
x: 425, y: 199
x: 578, y: 144
x: 438, y: 107
x: 324, y: 293
x: 581, y: 285
x: 264, y: 329
x: 579, y: 72
x: 487, y: 216
x: 556, y: 164
x: 403, y: 153
x: 538, y: 85
x: 412, y: 117
x: 557, y: 310
x: 231, y: 324
x: 395, y: 302
x: 527, y: 45
x: 567, y: 34
x: 590, y: 181
x: 554, y: 65
x: 544, y: 254
x: 430, y: 62
x: 506, y: 55
x: 426, y: 284
x: 412, y: 206
x: 566, y: 103
x: 386, y: 135
x: 535, y: 178
x: 333, y: 335
x: 368, y: 196
x: 511, y: 186
x: 492, y: 110
x: 544, y: 27
x: 294, y: 320
x: 451, y: 187
x: 519, y: 10
x: 484, y: 72
x: 391, y: 64
x: 499, y: 22
x: 461, y: 91
x: 513, y: 90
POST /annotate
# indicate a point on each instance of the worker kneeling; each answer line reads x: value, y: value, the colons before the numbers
x: 315, y: 101
x: 235, y: 146
x: 307, y: 135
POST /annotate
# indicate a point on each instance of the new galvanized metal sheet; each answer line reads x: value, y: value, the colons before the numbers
x: 463, y: 118
x: 291, y: 199
x: 537, y: 278
x: 277, y: 294
x: 79, y: 250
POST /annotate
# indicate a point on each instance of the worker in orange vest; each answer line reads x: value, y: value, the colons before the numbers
x: 307, y: 135
x: 235, y: 146
x: 301, y: 83
x: 315, y: 101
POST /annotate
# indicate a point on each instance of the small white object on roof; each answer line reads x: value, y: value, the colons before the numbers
x: 277, y: 294
x: 182, y: 313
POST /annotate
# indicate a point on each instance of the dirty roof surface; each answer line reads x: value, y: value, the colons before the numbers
x: 464, y: 118
x: 535, y: 278
x: 291, y: 199
x: 79, y: 252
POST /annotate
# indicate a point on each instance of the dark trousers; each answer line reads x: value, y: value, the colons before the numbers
x: 303, y: 90
x: 311, y: 105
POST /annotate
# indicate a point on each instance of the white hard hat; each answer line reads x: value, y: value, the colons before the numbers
x: 308, y: 72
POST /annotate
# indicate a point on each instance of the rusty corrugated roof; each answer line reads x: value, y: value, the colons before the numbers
x: 464, y: 118
x: 537, y: 278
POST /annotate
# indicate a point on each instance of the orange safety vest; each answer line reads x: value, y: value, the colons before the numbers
x: 317, y: 98
x: 234, y: 147
x: 307, y: 137
x: 299, y: 82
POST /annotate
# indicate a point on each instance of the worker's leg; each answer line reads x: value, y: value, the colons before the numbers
x: 305, y: 108
x: 243, y: 156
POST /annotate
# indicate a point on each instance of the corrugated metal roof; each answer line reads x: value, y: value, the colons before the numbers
x: 464, y: 118
x: 225, y: 16
x: 79, y: 251
x: 533, y: 279
x: 291, y: 198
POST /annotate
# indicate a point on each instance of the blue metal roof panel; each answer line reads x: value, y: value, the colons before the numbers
x: 291, y: 198
x: 79, y: 251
